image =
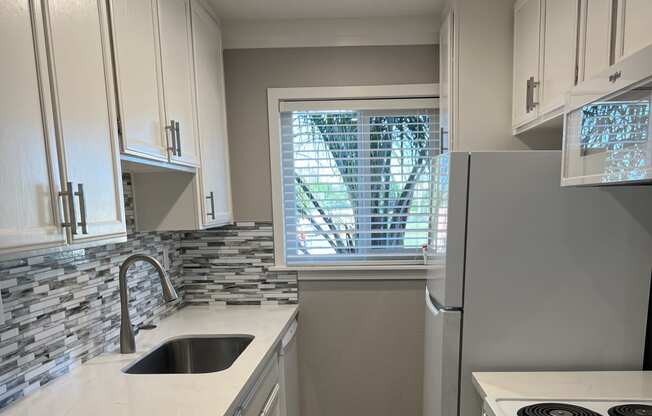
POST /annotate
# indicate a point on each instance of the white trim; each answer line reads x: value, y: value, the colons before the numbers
x: 387, y: 273
x: 277, y: 95
x: 351, y: 267
x: 296, y: 33
x: 375, y: 104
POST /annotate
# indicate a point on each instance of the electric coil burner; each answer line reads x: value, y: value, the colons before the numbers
x: 555, y: 409
x: 631, y: 410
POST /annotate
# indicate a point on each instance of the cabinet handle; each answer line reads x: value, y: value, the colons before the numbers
x: 271, y: 400
x: 211, y: 197
x: 67, y: 194
x: 177, y: 129
x: 531, y: 85
x: 82, y: 208
x: 172, y: 130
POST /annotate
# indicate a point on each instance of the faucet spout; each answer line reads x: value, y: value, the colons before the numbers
x: 127, y: 339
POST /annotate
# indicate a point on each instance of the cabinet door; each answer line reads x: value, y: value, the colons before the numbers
x: 263, y: 399
x: 211, y: 106
x: 633, y: 31
x: 85, y: 116
x: 595, y: 37
x: 559, y: 53
x: 176, y: 54
x: 445, y: 82
x: 140, y: 98
x: 527, y: 19
x: 29, y: 213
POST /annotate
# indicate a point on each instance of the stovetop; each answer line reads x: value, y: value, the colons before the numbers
x: 574, y: 408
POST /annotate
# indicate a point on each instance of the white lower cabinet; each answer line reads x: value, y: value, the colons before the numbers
x: 263, y: 398
x: 59, y: 158
x: 276, y: 390
x: 289, y: 373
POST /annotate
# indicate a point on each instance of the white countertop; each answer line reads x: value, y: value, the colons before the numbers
x: 99, y: 387
x: 592, y: 385
x: 563, y: 386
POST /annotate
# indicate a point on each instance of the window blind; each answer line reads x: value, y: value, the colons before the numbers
x: 358, y: 179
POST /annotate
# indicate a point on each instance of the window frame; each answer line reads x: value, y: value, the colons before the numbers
x: 275, y: 98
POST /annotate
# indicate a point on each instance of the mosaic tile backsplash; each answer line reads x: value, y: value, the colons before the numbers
x: 63, y: 309
x: 230, y: 265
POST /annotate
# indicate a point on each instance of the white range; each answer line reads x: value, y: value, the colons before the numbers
x: 615, y: 393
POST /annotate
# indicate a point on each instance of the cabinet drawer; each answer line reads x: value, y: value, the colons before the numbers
x: 264, y: 394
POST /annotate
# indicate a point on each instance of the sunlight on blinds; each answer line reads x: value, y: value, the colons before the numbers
x: 357, y: 184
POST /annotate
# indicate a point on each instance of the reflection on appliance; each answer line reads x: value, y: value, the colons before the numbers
x: 620, y: 131
x: 555, y: 409
x: 607, y: 126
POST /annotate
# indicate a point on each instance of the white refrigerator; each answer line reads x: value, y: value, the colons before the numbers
x: 526, y: 275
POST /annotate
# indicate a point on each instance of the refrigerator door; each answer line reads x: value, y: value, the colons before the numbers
x: 441, y: 360
x: 556, y: 278
x: 446, y: 249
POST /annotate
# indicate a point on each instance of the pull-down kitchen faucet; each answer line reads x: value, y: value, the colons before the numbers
x: 127, y: 340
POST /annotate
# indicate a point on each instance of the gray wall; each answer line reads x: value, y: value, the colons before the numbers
x: 361, y: 347
x: 249, y: 72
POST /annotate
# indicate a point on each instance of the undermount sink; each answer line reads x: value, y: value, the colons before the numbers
x: 192, y: 355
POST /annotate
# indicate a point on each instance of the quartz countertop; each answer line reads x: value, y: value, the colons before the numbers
x: 99, y: 387
x: 563, y: 386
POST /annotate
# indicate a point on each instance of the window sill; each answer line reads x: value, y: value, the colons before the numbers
x: 354, y: 267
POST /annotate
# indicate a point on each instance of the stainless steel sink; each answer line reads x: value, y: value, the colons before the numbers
x: 192, y: 355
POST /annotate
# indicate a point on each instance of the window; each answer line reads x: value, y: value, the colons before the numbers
x: 357, y: 179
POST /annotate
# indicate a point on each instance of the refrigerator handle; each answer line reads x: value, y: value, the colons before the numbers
x: 430, y: 305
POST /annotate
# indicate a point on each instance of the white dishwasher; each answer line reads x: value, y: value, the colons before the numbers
x: 289, y: 373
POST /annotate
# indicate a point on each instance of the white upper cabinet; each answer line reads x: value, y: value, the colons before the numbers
x: 545, y: 60
x: 446, y: 71
x: 558, y: 60
x: 85, y: 117
x: 527, y: 20
x: 633, y: 27
x: 176, y: 54
x: 187, y: 201
x: 211, y: 106
x: 594, y: 52
x: 59, y: 160
x: 29, y: 213
x: 138, y: 75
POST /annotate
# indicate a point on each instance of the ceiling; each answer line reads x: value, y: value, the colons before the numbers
x: 322, y: 9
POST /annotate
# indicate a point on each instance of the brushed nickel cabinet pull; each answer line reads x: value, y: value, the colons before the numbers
x: 69, y: 200
x: 615, y: 76
x: 177, y: 129
x: 172, y: 130
x: 211, y: 197
x: 530, y: 104
x: 271, y: 401
x: 82, y: 208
